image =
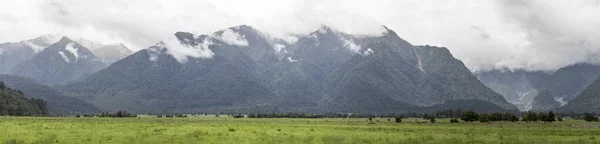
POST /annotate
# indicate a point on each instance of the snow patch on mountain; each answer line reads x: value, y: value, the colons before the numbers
x: 291, y: 59
x: 62, y: 54
x: 561, y: 101
x: 368, y: 52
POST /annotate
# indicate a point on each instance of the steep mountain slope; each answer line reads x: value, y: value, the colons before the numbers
x: 544, y: 101
x: 447, y: 77
x: 15, y: 53
x: 522, y: 88
x: 240, y: 69
x: 14, y: 103
x: 57, y: 103
x: 108, y: 53
x: 59, y: 63
x: 586, y: 101
x: 517, y: 87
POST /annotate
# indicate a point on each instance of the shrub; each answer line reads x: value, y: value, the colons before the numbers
x: 453, y: 120
x: 559, y: 119
x: 589, y: 117
x: 399, y: 119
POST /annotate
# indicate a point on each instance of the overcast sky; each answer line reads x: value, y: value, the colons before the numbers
x: 485, y: 34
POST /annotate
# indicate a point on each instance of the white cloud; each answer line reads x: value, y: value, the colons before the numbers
x: 73, y: 50
x: 181, y: 52
x: 232, y: 38
x: 279, y: 48
x: 351, y: 45
x: 485, y: 34
x: 36, y: 48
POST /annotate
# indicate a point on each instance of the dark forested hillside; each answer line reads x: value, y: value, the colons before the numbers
x: 14, y: 103
x: 58, y: 104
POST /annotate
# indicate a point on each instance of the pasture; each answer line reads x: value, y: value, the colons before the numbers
x: 283, y: 130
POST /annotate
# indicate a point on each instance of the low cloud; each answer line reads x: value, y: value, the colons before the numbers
x: 181, y: 52
x: 232, y: 38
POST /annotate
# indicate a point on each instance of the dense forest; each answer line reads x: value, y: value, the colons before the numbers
x: 14, y: 103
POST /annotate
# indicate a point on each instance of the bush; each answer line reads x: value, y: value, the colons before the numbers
x: 399, y: 119
x: 453, y: 120
x: 589, y: 117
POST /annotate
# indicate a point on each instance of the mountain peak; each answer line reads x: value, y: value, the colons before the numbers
x: 65, y: 39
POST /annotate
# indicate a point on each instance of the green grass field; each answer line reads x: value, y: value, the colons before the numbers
x: 283, y: 131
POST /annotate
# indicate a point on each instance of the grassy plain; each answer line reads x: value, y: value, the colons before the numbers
x: 284, y: 131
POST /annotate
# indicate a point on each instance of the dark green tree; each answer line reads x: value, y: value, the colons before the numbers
x: 530, y: 116
x: 589, y: 117
x: 550, y: 117
x: 399, y: 119
x: 484, y: 118
x: 470, y: 116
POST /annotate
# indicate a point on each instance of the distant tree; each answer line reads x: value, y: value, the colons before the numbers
x: 511, y: 117
x: 550, y: 117
x: 470, y: 116
x: 370, y: 119
x: 399, y: 119
x: 542, y: 117
x: 432, y: 119
x: 589, y: 117
x: 530, y: 116
x: 484, y: 118
x: 119, y: 114
x: 559, y: 119
x: 2, y: 86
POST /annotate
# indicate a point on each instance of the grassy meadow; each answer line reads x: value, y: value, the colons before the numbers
x: 284, y: 131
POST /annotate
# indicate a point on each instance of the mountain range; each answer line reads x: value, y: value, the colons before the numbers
x: 241, y: 69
